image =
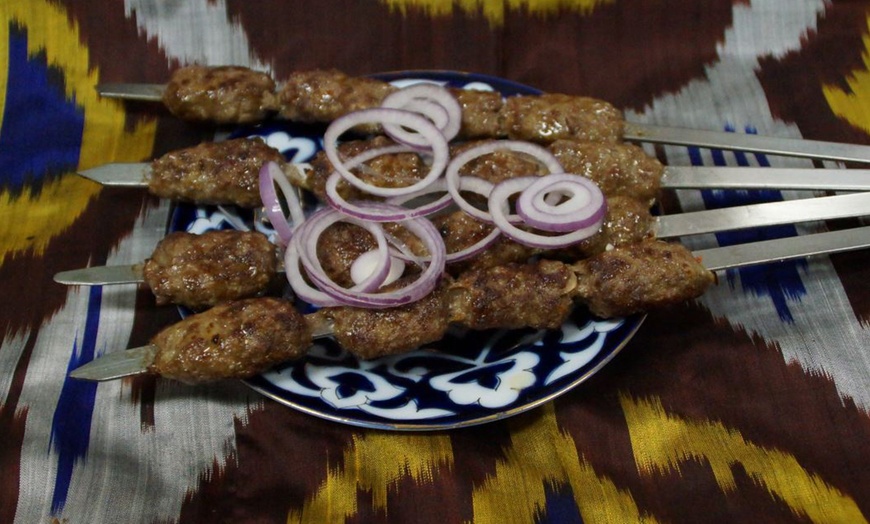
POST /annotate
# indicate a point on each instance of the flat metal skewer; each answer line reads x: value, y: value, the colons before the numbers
x: 750, y: 143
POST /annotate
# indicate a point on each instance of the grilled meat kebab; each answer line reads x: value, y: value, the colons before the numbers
x: 200, y: 271
x: 234, y: 340
x: 247, y: 337
x: 227, y: 172
x: 232, y: 94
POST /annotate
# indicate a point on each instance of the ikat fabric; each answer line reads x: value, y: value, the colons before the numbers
x: 750, y: 404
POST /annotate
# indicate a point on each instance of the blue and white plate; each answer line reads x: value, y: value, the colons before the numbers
x: 468, y: 378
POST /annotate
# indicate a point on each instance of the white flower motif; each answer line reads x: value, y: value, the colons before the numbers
x: 327, y: 377
x: 571, y: 334
x: 507, y: 387
x: 210, y: 221
x: 283, y: 142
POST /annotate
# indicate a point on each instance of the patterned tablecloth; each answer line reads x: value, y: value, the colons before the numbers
x: 747, y: 405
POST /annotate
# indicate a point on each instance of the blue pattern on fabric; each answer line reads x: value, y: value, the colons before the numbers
x: 71, y: 424
x: 561, y: 507
x: 34, y: 96
x: 780, y: 281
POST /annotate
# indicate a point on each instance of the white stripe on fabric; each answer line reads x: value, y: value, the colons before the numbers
x: 194, y: 31
x: 824, y: 337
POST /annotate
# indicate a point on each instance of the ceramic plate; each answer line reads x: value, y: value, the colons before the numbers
x: 467, y: 378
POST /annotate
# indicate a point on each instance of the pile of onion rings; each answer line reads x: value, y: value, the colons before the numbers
x: 550, y: 211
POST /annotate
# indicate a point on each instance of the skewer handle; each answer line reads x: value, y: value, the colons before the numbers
x: 139, y: 92
x: 101, y: 275
x: 117, y: 364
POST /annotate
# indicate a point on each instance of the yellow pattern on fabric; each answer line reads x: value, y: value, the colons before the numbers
x: 375, y: 462
x: 854, y: 106
x: 104, y: 138
x: 494, y: 10
x: 662, y: 442
x: 4, y: 60
x: 542, y: 455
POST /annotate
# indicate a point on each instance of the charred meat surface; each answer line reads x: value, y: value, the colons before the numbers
x: 618, y: 169
x: 231, y: 341
x: 512, y: 296
x: 550, y: 117
x: 498, y: 166
x: 628, y: 221
x: 639, y: 277
x: 371, y: 333
x: 214, y: 172
x: 199, y: 271
x: 396, y: 170
x: 324, y: 95
x: 461, y: 230
x: 225, y: 94
x: 339, y: 246
x: 481, y: 113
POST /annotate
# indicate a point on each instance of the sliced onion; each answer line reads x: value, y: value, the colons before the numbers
x: 499, y: 208
x: 303, y: 290
x: 431, y: 101
x: 320, y: 222
x: 367, y: 210
x: 475, y: 249
x: 383, y: 116
x: 330, y: 293
x: 366, y: 264
x: 439, y: 186
x: 585, y: 206
x: 271, y: 173
x: 457, y: 183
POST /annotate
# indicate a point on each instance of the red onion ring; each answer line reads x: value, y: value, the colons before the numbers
x: 457, y: 183
x: 300, y: 286
x: 584, y: 208
x: 330, y: 293
x: 499, y: 207
x: 364, y: 266
x: 383, y: 116
x: 271, y: 173
x: 310, y: 233
x: 429, y: 100
x: 392, y: 213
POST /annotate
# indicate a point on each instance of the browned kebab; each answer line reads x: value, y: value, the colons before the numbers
x: 226, y: 172
x: 501, y: 290
x: 249, y: 336
x: 234, y: 94
x: 201, y: 270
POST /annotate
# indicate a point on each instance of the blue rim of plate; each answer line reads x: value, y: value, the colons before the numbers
x: 468, y: 378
